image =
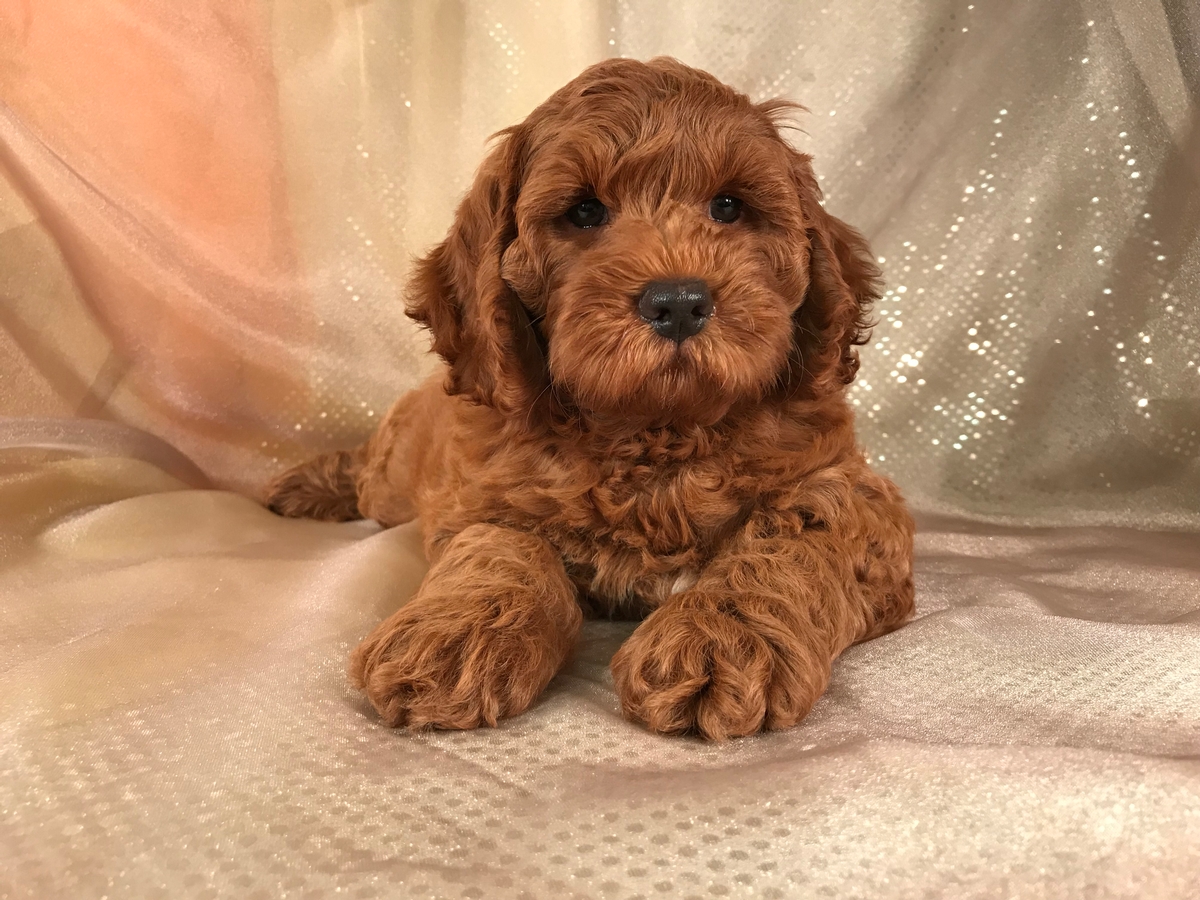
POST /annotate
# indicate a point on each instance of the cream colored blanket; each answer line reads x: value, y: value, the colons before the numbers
x: 176, y: 723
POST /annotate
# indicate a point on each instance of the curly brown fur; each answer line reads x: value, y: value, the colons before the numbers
x: 572, y: 455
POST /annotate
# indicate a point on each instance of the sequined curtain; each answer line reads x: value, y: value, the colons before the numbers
x: 220, y: 262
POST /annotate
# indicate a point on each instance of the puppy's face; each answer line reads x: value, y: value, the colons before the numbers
x: 656, y: 243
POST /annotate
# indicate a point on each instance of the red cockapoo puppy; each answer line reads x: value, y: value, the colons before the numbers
x: 649, y: 323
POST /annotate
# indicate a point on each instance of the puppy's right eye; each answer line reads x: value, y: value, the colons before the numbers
x: 588, y: 214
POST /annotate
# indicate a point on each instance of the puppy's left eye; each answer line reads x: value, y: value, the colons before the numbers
x: 725, y: 208
x: 588, y: 214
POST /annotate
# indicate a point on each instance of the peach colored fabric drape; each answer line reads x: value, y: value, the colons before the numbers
x: 207, y: 211
x: 145, y: 137
x: 210, y: 208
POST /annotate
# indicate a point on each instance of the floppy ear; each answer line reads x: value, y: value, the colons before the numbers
x: 478, y: 324
x: 843, y: 283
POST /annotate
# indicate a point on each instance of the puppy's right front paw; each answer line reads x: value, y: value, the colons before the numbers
x: 458, y: 669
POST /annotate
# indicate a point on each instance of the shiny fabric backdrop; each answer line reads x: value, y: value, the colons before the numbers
x: 206, y: 216
x: 221, y: 261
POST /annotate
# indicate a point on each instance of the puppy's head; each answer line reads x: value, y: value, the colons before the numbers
x: 646, y: 247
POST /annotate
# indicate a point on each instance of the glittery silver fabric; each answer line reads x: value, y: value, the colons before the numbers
x: 207, y: 212
x: 1029, y: 174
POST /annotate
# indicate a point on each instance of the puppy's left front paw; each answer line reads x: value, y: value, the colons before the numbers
x: 701, y: 669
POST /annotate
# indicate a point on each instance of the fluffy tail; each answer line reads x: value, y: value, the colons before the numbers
x: 323, y: 488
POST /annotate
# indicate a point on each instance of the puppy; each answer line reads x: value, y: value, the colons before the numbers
x: 649, y: 322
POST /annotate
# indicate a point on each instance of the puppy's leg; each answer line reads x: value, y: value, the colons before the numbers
x: 750, y: 647
x: 322, y: 488
x: 492, y: 623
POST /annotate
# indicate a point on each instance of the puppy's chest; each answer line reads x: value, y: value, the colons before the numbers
x: 642, y: 532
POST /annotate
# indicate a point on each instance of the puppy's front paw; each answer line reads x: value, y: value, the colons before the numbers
x: 702, y: 669
x: 458, y: 668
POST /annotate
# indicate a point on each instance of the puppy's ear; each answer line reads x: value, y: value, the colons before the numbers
x: 843, y: 284
x: 478, y: 324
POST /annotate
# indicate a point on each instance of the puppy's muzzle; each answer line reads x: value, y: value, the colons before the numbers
x: 676, y: 309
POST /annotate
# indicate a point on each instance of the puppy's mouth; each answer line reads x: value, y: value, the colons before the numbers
x: 684, y: 367
x: 682, y: 354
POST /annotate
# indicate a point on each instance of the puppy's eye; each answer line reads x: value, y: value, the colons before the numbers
x: 725, y: 208
x: 588, y: 214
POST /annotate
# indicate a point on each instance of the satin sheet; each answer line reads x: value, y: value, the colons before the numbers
x: 177, y: 723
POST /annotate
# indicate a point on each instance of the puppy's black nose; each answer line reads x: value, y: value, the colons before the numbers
x: 676, y: 309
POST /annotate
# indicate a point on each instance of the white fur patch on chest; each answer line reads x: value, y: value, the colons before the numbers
x: 685, y: 580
